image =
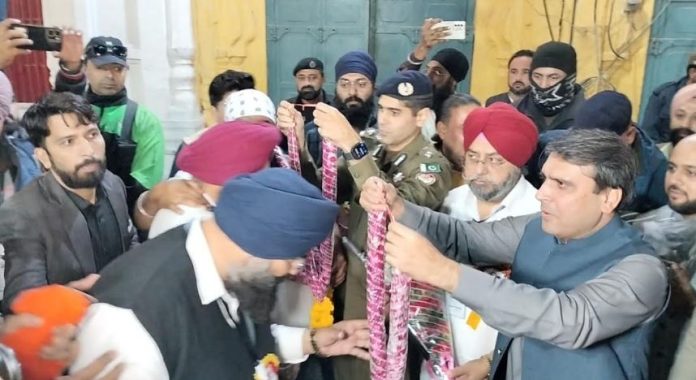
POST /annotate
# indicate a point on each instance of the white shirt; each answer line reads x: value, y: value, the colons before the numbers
x: 472, y: 337
x: 106, y: 327
x: 461, y: 203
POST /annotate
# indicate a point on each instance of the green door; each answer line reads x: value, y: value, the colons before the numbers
x: 397, y: 25
x: 672, y: 40
x: 311, y: 28
x: 326, y: 29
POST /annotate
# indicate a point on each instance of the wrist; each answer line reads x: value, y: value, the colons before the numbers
x: 420, y: 53
x: 489, y: 364
x: 447, y: 277
x: 347, y: 145
x: 147, y: 206
x: 71, y: 68
x: 309, y: 342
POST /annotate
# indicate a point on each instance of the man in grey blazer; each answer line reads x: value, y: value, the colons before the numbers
x: 584, y: 291
x: 73, y: 220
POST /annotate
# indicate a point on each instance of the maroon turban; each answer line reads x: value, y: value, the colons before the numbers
x: 228, y: 150
x: 513, y: 135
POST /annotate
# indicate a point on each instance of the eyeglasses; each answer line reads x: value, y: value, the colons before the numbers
x: 488, y: 161
x: 360, y: 84
x: 99, y: 50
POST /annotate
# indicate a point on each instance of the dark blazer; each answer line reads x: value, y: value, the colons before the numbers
x: 500, y: 98
x: 46, y: 238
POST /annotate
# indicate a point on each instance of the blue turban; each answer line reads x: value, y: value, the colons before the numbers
x: 274, y: 214
x: 356, y: 62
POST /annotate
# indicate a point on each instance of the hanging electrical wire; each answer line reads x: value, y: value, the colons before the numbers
x: 572, y: 21
x: 560, y: 21
x: 611, y: 43
x: 548, y: 21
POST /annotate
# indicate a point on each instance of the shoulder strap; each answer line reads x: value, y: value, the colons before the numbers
x: 128, y: 120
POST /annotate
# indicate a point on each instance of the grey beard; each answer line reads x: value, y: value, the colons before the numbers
x: 499, y: 193
x: 256, y: 297
x: 254, y: 287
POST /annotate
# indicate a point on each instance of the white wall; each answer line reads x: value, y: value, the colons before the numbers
x: 142, y: 26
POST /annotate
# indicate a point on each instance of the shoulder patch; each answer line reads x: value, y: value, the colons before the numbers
x: 432, y: 167
x: 427, y: 178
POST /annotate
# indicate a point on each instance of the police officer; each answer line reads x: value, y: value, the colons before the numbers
x: 396, y: 152
x: 309, y: 79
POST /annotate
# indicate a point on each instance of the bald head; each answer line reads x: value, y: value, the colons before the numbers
x: 680, y: 181
x: 683, y: 113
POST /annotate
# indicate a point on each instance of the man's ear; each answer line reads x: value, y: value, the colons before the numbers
x: 612, y: 200
x: 422, y: 117
x: 43, y: 157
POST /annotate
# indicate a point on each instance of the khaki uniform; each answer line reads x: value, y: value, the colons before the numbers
x: 422, y: 176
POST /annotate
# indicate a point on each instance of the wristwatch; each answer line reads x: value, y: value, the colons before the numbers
x: 357, y: 152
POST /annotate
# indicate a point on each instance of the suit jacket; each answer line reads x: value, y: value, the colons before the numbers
x: 500, y: 98
x: 46, y: 238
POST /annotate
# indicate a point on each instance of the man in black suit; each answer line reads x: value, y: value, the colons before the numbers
x: 73, y: 220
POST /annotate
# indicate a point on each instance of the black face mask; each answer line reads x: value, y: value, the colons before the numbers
x: 678, y: 134
x: 308, y: 93
x: 358, y: 115
x: 552, y: 100
x: 118, y: 99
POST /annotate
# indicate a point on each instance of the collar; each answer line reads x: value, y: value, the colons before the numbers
x: 102, y: 101
x: 81, y: 203
x: 208, y: 281
x: 519, y: 201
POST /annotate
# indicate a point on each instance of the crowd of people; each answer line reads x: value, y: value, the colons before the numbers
x: 561, y: 232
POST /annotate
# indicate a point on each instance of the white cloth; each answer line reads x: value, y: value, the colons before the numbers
x: 247, y: 103
x: 471, y: 343
x: 429, y: 129
x: 166, y: 219
x: 108, y: 327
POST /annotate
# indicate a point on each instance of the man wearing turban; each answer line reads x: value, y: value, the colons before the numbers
x: 498, y: 141
x: 185, y: 305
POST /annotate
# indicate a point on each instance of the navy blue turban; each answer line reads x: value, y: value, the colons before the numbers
x: 274, y: 214
x: 356, y: 62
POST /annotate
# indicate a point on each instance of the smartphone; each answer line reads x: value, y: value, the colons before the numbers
x: 45, y: 38
x: 457, y: 29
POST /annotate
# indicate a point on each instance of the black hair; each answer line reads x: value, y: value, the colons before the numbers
x: 521, y: 53
x: 418, y: 103
x: 35, y: 119
x: 614, y: 162
x: 456, y: 101
x: 228, y: 81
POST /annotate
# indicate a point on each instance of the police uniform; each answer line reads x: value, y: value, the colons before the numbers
x: 421, y: 175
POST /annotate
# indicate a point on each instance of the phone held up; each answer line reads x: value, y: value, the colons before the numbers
x: 457, y: 29
x: 45, y: 38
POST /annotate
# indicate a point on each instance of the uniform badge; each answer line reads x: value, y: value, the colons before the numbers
x: 405, y: 89
x: 268, y: 368
x: 378, y: 150
x: 398, y: 177
x: 430, y: 168
x: 400, y: 159
x: 428, y: 154
x: 427, y: 178
x: 312, y: 64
